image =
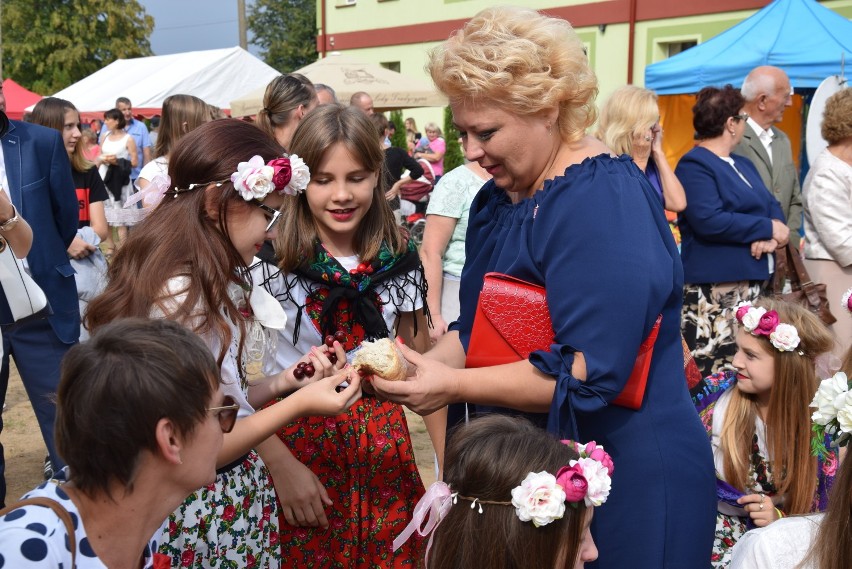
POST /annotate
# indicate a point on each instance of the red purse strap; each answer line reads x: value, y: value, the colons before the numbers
x: 61, y: 513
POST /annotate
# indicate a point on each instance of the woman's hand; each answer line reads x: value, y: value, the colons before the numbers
x: 657, y: 139
x: 760, y: 509
x: 758, y: 248
x: 430, y: 385
x: 438, y: 328
x: 303, y: 497
x: 80, y: 249
x: 780, y: 232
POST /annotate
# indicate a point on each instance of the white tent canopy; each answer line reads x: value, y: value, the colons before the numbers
x: 216, y: 76
x: 347, y: 76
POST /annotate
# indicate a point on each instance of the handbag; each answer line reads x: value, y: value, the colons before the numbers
x: 24, y: 296
x: 512, y: 320
x: 805, y: 292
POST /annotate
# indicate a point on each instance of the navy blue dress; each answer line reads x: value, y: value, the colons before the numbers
x: 598, y: 241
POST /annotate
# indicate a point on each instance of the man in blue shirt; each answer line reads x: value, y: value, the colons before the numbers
x: 138, y: 131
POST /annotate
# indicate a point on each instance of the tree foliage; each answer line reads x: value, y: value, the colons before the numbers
x: 285, y: 31
x: 398, y: 139
x: 50, y: 44
x: 453, y: 157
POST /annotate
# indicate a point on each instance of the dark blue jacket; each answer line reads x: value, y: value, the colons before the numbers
x: 42, y: 189
x: 723, y: 216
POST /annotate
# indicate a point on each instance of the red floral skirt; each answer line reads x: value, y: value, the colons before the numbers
x: 365, y: 460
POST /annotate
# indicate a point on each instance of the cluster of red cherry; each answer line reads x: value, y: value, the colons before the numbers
x: 306, y: 369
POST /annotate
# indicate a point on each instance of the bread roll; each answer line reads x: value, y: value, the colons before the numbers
x: 381, y: 358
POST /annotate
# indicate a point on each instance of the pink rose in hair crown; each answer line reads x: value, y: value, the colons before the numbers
x: 598, y: 479
x: 596, y: 452
x: 281, y: 177
x: 573, y: 482
x: 742, y: 311
x: 767, y: 323
x: 846, y: 300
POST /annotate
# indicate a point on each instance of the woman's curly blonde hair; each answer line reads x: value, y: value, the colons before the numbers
x: 521, y: 61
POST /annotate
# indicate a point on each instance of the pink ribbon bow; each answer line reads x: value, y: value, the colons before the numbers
x: 432, y: 508
x: 153, y: 193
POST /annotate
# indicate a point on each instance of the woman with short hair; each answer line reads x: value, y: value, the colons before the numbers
x: 140, y: 421
x: 562, y: 213
x: 730, y: 229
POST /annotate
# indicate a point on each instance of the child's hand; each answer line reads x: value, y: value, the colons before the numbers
x: 327, y: 396
x: 320, y: 362
x: 760, y: 509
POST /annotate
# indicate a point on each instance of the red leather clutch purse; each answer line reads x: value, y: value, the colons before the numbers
x: 512, y: 321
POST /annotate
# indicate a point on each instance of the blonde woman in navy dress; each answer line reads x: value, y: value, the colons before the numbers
x: 562, y: 212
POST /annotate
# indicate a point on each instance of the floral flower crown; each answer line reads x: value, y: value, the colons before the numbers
x: 758, y: 321
x: 846, y: 300
x: 833, y: 415
x: 539, y: 498
x: 253, y: 180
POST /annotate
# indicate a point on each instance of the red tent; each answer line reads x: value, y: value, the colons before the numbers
x: 18, y: 99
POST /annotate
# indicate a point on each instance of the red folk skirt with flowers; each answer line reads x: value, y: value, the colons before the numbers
x: 365, y: 460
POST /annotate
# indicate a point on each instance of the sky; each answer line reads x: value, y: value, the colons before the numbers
x: 191, y: 25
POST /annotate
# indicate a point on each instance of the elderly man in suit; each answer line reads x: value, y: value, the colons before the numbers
x: 36, y: 174
x: 768, y: 93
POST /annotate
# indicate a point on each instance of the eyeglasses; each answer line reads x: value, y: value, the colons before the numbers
x: 227, y: 413
x: 740, y: 117
x: 273, y: 214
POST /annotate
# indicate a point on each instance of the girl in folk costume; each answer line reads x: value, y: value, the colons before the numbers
x: 514, y: 497
x: 759, y: 422
x: 187, y: 261
x: 346, y: 274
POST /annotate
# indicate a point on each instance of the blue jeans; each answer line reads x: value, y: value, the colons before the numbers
x: 38, y: 353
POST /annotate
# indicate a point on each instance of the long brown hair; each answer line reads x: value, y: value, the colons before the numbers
x: 486, y: 459
x: 788, y: 420
x: 187, y: 235
x: 322, y: 128
x: 832, y: 547
x: 50, y: 112
x: 181, y: 114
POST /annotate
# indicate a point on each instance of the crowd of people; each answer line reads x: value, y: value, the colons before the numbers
x: 229, y: 272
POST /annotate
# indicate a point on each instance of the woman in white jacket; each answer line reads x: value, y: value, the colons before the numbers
x: 828, y: 211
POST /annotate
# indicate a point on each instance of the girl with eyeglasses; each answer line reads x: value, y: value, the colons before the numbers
x: 187, y: 261
x: 730, y: 229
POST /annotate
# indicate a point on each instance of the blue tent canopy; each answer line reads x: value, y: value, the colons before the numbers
x: 801, y: 37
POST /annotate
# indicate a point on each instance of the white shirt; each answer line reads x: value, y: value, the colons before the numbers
x: 764, y: 135
x: 780, y: 545
x: 286, y: 352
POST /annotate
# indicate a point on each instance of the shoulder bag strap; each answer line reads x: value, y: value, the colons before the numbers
x: 59, y: 510
x: 798, y: 267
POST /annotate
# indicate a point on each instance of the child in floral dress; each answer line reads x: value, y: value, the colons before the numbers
x: 188, y: 261
x: 759, y: 423
x: 346, y: 274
